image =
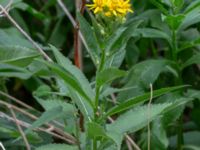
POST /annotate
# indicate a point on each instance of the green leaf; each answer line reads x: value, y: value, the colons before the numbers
x: 174, y: 21
x: 82, y: 104
x: 90, y: 39
x: 191, y: 147
x: 151, y: 33
x: 57, y: 147
x: 25, y: 7
x: 7, y: 70
x: 137, y: 118
x: 69, y: 80
x: 95, y: 130
x: 142, y: 75
x: 118, y: 42
x: 191, y: 18
x: 32, y: 137
x: 17, y: 55
x: 190, y: 138
x: 193, y: 60
x: 47, y: 116
x: 12, y: 37
x: 76, y: 72
x: 139, y: 99
x: 108, y: 75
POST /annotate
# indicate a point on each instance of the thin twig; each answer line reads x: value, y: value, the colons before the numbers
x: 57, y: 130
x: 129, y: 146
x: 127, y: 137
x: 16, y: 100
x: 27, y: 125
x: 1, y: 145
x: 7, y: 8
x: 73, y: 21
x: 4, y: 11
x: 25, y: 105
x: 20, y: 129
x: 149, y: 115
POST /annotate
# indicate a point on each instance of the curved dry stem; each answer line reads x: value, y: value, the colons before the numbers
x: 70, y: 138
x: 4, y: 11
x: 20, y: 129
x: 27, y: 125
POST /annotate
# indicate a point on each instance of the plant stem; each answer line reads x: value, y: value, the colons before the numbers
x: 94, y: 144
x: 174, y: 45
x: 180, y: 139
x: 97, y: 97
x: 101, y: 65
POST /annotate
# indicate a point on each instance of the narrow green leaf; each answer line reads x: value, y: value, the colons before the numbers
x: 47, y: 116
x: 151, y: 33
x: 7, y: 70
x: 57, y: 147
x: 17, y: 55
x: 108, y: 75
x: 77, y: 73
x: 193, y: 60
x: 69, y: 79
x: 137, y: 118
x: 90, y: 39
x: 139, y: 99
x: 95, y: 130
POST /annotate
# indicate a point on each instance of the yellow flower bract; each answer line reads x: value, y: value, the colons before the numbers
x: 118, y: 8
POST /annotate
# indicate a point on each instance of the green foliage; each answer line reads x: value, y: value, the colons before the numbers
x: 57, y: 146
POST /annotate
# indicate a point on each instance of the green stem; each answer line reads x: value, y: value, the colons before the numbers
x: 180, y: 139
x: 94, y: 144
x: 101, y: 65
x: 154, y: 50
x: 174, y: 45
x: 97, y: 98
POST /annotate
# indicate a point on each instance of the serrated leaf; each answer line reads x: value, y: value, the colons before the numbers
x: 77, y: 73
x: 90, y: 39
x: 69, y: 80
x: 47, y: 116
x: 139, y: 99
x: 137, y: 118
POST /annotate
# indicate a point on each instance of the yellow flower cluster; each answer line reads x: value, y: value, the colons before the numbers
x: 118, y: 8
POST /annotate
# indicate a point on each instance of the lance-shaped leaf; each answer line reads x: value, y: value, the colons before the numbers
x: 139, y: 99
x: 91, y: 42
x: 69, y: 80
x: 137, y: 118
x: 76, y: 72
x: 17, y: 55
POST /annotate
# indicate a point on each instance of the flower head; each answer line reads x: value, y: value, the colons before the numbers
x: 109, y: 8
